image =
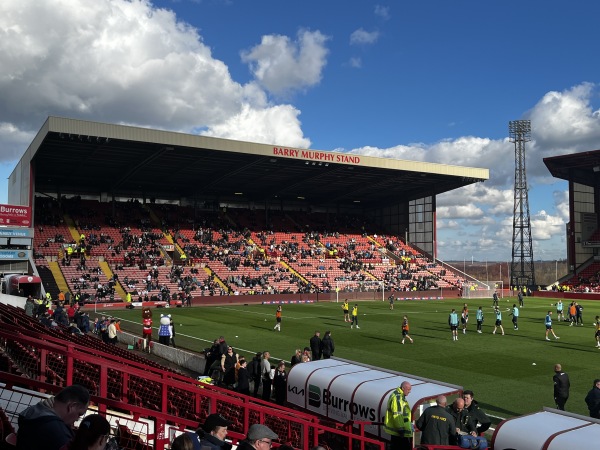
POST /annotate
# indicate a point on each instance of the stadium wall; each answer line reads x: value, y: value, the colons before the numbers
x: 567, y: 295
x: 294, y: 298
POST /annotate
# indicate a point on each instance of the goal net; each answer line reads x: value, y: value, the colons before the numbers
x: 377, y: 288
x: 481, y: 289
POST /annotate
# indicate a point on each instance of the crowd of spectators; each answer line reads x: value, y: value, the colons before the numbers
x: 316, y: 259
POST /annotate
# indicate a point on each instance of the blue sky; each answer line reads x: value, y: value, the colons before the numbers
x: 430, y: 80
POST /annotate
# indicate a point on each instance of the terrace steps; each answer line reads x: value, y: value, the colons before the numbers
x: 109, y: 273
x: 59, y: 278
x: 72, y: 229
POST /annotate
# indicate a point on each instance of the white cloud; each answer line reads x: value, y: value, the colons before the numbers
x: 363, y: 37
x: 382, y: 11
x: 545, y: 226
x: 355, y: 62
x: 13, y: 141
x: 121, y: 61
x: 561, y: 203
x: 282, y: 66
x: 448, y: 224
x: 263, y: 126
x: 465, y: 211
x: 566, y: 120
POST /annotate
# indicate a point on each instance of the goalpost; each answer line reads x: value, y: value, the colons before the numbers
x: 480, y: 289
x: 359, y: 286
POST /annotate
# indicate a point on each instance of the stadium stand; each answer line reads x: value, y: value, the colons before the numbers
x: 165, y: 252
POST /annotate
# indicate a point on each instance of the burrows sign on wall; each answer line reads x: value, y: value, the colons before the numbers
x: 15, y: 215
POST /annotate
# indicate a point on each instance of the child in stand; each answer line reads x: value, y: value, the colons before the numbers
x: 405, y: 328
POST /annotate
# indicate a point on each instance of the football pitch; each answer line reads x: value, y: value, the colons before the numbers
x: 510, y: 375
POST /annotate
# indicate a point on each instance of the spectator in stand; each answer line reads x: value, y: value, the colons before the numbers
x: 327, y: 345
x: 112, y: 332
x: 254, y: 372
x: 49, y: 423
x: 211, y: 355
x: 297, y: 358
x: 259, y: 437
x: 592, y: 400
x: 93, y: 434
x: 29, y: 306
x: 71, y: 313
x: 280, y: 383
x: 267, y: 381
x: 243, y: 380
x: 316, y: 346
x: 85, y: 323
x: 228, y: 362
x: 184, y: 441
x: 211, y: 435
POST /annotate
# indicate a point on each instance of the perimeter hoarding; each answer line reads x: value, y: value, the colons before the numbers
x: 15, y: 215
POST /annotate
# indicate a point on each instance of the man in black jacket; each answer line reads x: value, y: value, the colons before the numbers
x: 592, y: 400
x: 479, y: 419
x: 436, y: 424
x: 561, y: 387
x: 327, y: 345
x: 49, y: 423
x: 316, y: 346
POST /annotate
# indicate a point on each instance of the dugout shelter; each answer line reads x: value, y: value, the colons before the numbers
x: 351, y: 392
x: 549, y: 429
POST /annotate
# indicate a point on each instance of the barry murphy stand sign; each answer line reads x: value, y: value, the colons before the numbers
x: 15, y: 215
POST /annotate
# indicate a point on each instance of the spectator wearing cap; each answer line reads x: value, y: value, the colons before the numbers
x: 259, y: 437
x: 211, y: 435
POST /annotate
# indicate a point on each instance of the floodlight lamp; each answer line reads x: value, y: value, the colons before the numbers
x: 596, y: 169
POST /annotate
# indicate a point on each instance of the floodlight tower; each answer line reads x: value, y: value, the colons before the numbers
x: 521, y: 269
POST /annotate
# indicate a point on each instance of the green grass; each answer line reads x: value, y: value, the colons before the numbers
x: 499, y: 369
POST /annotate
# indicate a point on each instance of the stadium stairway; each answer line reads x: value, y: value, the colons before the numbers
x: 72, y: 229
x: 298, y: 274
x: 220, y: 282
x: 59, y: 278
x: 48, y: 280
x: 109, y: 273
x: 167, y: 236
x: 377, y: 244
